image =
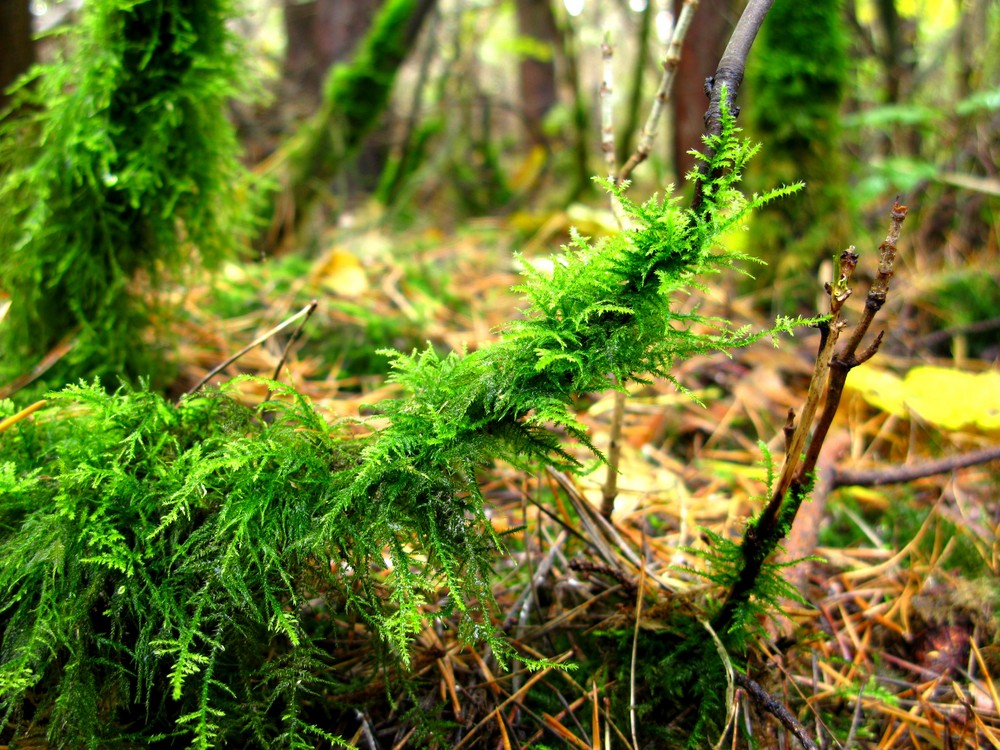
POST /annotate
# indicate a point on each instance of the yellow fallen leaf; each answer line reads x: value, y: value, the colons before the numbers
x: 944, y: 397
x: 880, y: 388
x: 341, y: 273
x: 954, y: 399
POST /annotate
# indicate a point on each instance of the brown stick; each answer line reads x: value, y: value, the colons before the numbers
x: 767, y: 703
x: 899, y: 474
x: 729, y: 76
x: 796, y: 478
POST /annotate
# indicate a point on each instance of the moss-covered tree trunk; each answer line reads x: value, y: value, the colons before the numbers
x: 354, y: 96
x: 125, y: 164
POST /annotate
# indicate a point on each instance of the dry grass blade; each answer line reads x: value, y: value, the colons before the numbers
x: 502, y: 726
x: 556, y: 726
x: 514, y: 698
x: 25, y: 412
x: 595, y: 738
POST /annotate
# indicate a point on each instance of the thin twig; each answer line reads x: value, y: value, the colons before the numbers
x: 766, y: 703
x: 635, y: 653
x: 839, y: 292
x: 305, y: 311
x: 366, y: 730
x: 899, y: 474
x: 856, y: 718
x: 610, y: 489
x: 293, y: 338
x: 848, y: 358
x: 670, y: 62
x: 729, y: 76
x: 608, y: 127
x: 522, y: 606
x: 607, y: 105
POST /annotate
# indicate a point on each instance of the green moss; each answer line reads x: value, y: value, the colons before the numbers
x: 124, y: 165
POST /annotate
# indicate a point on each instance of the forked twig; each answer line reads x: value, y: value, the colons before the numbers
x: 766, y: 703
x: 304, y: 312
x: 829, y: 376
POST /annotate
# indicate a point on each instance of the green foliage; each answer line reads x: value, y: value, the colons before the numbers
x: 123, y: 162
x: 354, y: 96
x: 164, y: 565
x: 156, y: 572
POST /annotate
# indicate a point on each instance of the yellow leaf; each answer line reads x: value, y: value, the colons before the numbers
x: 944, y: 397
x: 341, y: 273
x: 880, y: 388
x: 953, y: 399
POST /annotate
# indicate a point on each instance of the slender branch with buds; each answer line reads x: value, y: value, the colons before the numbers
x: 827, y: 385
x: 673, y: 56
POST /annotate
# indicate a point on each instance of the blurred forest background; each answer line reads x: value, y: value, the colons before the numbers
x: 488, y: 114
x: 392, y: 157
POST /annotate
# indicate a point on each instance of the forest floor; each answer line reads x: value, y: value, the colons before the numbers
x: 895, y: 643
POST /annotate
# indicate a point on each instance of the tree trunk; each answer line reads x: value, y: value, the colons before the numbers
x: 703, y: 46
x: 320, y: 33
x: 538, y: 71
x: 18, y: 51
x: 354, y: 96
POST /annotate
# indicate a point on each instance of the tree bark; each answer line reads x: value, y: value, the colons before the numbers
x: 703, y: 46
x: 538, y: 72
x: 18, y: 52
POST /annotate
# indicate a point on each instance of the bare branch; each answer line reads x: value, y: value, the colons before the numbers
x: 765, y: 702
x: 729, y: 76
x: 899, y: 474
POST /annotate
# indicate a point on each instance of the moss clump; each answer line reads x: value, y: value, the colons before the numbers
x: 123, y: 165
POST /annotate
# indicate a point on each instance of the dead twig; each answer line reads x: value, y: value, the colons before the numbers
x: 635, y: 654
x: 767, y: 703
x: 305, y: 311
x: 828, y: 380
x: 898, y: 474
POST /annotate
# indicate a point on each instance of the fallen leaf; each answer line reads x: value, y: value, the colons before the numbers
x: 341, y: 272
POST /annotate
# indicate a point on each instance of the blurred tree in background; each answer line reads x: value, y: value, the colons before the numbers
x: 797, y: 83
x: 19, y: 50
x: 122, y: 169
